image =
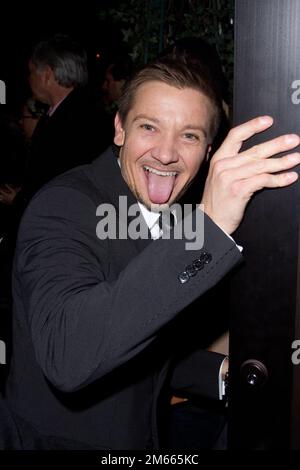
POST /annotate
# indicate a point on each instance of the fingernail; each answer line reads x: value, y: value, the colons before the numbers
x: 294, y: 157
x: 291, y: 176
x: 292, y: 138
x: 266, y: 119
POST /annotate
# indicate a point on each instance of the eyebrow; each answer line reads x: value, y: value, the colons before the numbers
x: 157, y: 121
x: 144, y: 116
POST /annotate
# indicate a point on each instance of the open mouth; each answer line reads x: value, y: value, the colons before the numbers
x: 160, y: 173
x: 160, y: 184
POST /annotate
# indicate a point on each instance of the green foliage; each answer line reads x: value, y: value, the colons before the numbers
x: 149, y: 26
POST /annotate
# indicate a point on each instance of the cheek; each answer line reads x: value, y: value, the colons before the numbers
x: 135, y: 149
x: 34, y: 84
x: 192, y: 164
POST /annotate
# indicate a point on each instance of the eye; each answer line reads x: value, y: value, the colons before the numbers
x: 148, y: 127
x: 191, y: 137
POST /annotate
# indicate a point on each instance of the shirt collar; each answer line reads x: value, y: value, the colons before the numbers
x: 52, y: 109
x: 150, y: 217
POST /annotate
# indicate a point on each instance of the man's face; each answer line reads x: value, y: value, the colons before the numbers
x: 164, y: 140
x: 112, y: 88
x: 37, y: 81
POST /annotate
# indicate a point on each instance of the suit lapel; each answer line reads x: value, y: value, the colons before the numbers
x: 108, y: 177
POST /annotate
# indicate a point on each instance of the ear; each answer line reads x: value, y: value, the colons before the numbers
x: 119, y: 131
x: 48, y: 74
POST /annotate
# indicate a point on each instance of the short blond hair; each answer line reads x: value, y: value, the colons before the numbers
x: 177, y: 73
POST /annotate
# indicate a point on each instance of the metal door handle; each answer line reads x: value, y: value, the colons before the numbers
x: 254, y: 373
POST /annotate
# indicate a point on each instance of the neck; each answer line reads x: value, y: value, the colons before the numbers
x: 58, y: 95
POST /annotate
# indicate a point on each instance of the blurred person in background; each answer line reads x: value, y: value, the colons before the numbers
x: 32, y: 111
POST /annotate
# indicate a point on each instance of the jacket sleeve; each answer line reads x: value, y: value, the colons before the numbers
x: 82, y: 325
x: 198, y: 374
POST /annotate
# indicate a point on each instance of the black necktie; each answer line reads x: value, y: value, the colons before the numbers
x: 166, y: 221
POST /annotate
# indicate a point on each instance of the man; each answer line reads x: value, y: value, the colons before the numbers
x: 117, y: 73
x: 99, y: 320
x: 68, y: 135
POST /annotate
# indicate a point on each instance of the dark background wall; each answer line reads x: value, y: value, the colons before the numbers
x: 265, y: 289
x: 24, y: 23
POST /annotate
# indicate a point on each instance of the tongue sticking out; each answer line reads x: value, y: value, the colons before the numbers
x: 160, y: 187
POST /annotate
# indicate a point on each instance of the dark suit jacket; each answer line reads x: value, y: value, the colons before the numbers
x: 76, y: 133
x: 73, y: 135
x: 96, y: 322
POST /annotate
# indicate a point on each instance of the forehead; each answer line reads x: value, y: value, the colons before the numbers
x: 159, y: 97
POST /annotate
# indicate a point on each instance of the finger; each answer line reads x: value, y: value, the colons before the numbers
x: 237, y: 136
x: 235, y: 169
x: 272, y: 147
x: 256, y: 183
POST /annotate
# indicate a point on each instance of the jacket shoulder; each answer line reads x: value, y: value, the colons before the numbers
x: 82, y: 179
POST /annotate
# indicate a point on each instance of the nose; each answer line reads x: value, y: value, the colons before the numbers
x: 165, y: 150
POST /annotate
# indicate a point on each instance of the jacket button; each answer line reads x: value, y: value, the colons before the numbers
x: 205, y: 257
x: 208, y: 258
x: 191, y: 270
x: 198, y: 264
x: 183, y: 277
